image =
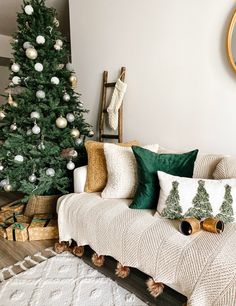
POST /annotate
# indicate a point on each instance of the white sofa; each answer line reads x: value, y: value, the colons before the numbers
x: 201, y: 266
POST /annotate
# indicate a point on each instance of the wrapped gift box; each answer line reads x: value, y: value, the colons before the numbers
x: 4, y: 215
x: 19, y: 218
x: 43, y: 227
x: 3, y: 232
x: 14, y: 207
x: 18, y: 232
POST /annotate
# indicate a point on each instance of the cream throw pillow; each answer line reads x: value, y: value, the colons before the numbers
x: 189, y: 197
x: 225, y: 169
x: 122, y: 171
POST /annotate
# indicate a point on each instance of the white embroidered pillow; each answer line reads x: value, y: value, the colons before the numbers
x: 199, y: 198
x: 122, y: 171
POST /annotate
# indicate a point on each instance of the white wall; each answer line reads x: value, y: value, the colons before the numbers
x: 5, y: 47
x: 4, y: 76
x: 181, y: 89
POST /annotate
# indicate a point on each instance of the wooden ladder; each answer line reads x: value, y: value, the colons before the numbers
x: 105, y: 86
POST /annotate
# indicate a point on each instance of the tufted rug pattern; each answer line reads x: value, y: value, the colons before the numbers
x: 64, y: 280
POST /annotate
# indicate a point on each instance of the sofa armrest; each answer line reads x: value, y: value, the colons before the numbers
x: 80, y: 175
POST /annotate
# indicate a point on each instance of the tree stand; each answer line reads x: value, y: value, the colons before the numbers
x: 122, y: 271
x: 155, y: 289
x: 98, y: 261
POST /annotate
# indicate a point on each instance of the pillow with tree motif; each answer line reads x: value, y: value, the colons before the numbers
x: 182, y: 197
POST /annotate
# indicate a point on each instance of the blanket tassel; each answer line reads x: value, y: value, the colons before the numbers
x: 98, y: 261
x: 61, y: 247
x: 122, y: 271
x: 78, y: 251
x: 155, y: 289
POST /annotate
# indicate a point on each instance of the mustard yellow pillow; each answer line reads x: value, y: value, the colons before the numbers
x: 97, y: 170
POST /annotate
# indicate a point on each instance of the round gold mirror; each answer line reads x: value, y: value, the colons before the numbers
x: 231, y: 42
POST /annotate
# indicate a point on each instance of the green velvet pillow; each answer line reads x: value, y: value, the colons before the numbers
x: 149, y: 163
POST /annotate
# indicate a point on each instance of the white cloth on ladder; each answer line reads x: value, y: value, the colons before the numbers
x: 116, y: 101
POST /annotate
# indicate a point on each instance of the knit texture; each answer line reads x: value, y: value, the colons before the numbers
x: 202, y: 266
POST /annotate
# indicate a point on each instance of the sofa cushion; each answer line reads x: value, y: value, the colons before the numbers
x: 97, y: 171
x: 199, y: 198
x: 226, y: 168
x: 122, y: 171
x: 149, y: 163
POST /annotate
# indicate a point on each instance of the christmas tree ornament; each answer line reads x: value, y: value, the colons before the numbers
x: 10, y: 99
x: 35, y: 115
x: 27, y: 45
x: 15, y: 104
x: 69, y: 67
x: 2, y: 115
x: 40, y: 40
x: 60, y: 66
x: 50, y: 172
x: 70, y: 165
x: 78, y: 141
x: 66, y: 97
x: 91, y: 133
x: 61, y: 122
x: 38, y: 67
x: 1, y: 167
x: 80, y: 104
x: 70, y: 117
x: 41, y: 146
x: 57, y: 47
x: 19, y: 159
x: 15, y: 67
x: 3, y: 183
x: 55, y: 80
x: 36, y: 129
x: 31, y: 53
x: 32, y: 178
x: 16, y: 80
x: 13, y: 127
x: 40, y: 94
x: 29, y: 132
x: 73, y: 153
x: 73, y: 81
x: 56, y: 22
x: 75, y: 133
x: 8, y: 187
x: 28, y: 9
x: 59, y: 42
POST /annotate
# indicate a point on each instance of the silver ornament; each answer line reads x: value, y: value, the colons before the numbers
x: 27, y: 45
x: 35, y: 115
x: 28, y: 9
x: 57, y: 47
x: 50, y: 172
x: 19, y: 159
x: 16, y: 80
x: 70, y: 117
x: 55, y: 80
x: 40, y: 40
x: 69, y: 67
x: 70, y: 165
x: 13, y: 127
x: 31, y: 53
x: 2, y: 115
x: 66, y: 97
x: 59, y: 42
x: 75, y: 133
x: 78, y: 141
x: 40, y: 94
x: 32, y: 178
x: 91, y: 133
x: 8, y: 187
x: 61, y: 122
x: 3, y: 183
x: 36, y: 129
x: 38, y: 67
x: 1, y: 167
x: 15, y: 67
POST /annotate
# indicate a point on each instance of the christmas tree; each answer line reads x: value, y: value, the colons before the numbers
x: 44, y: 125
x: 226, y: 209
x: 173, y: 209
x: 201, y: 204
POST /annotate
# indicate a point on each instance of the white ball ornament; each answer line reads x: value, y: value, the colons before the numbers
x: 2, y: 115
x: 50, y: 172
x: 75, y: 133
x: 16, y: 80
x: 40, y: 40
x: 66, y: 97
x: 59, y: 42
x: 70, y: 165
x: 1, y: 167
x: 8, y: 187
x: 40, y: 94
x: 19, y: 159
x: 57, y: 47
x: 27, y: 45
x: 78, y: 141
x: 3, y: 183
x: 55, y: 80
x: 29, y: 9
x: 38, y: 67
x: 31, y: 53
x: 91, y: 133
x: 13, y: 127
x: 15, y: 67
x: 69, y: 67
x: 35, y: 115
x: 70, y: 117
x: 61, y: 122
x: 41, y: 146
x: 32, y: 178
x: 36, y: 129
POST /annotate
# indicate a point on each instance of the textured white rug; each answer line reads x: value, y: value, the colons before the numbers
x: 64, y: 280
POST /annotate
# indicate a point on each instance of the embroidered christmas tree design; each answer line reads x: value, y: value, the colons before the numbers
x: 173, y: 209
x: 226, y: 209
x: 201, y: 204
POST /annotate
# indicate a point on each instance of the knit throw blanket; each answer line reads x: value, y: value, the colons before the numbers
x: 201, y: 266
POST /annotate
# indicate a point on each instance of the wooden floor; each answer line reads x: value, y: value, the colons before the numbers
x: 13, y: 251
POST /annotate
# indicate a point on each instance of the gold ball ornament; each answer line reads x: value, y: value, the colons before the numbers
x: 73, y: 81
x: 31, y: 53
x: 61, y: 122
x: 75, y: 133
x: 2, y: 115
x: 8, y: 187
